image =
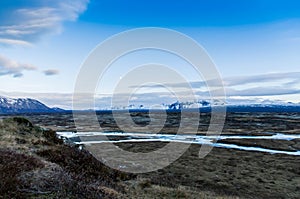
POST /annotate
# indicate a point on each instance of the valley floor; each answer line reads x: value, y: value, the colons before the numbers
x: 52, y: 169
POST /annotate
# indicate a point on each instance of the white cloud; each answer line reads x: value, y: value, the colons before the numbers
x: 263, y: 91
x: 263, y: 78
x: 22, y: 26
x: 14, y: 42
x: 270, y: 84
x: 25, y: 25
x: 11, y: 67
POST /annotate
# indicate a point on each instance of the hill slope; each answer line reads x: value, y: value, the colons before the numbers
x: 24, y: 105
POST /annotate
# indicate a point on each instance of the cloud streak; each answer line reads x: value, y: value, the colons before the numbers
x: 263, y: 91
x: 26, y: 25
x: 265, y: 84
x: 263, y: 78
x: 291, y: 77
x: 9, y: 42
x: 51, y: 72
x: 11, y: 67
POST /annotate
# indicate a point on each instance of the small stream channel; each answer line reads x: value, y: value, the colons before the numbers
x: 85, y: 138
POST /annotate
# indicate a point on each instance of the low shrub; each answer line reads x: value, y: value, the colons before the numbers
x: 11, y: 165
x: 81, y: 162
x: 51, y: 136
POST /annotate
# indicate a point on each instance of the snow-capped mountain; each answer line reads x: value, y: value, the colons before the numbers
x: 23, y: 105
x: 28, y: 105
x: 231, y: 106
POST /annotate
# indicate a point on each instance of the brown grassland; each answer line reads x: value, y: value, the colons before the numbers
x: 34, y: 163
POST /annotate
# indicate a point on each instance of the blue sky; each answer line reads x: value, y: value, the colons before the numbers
x: 255, y: 43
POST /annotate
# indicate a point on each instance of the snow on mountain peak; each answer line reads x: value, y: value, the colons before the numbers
x: 22, y: 105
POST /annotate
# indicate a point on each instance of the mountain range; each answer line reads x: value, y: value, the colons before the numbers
x: 24, y: 105
x: 28, y: 105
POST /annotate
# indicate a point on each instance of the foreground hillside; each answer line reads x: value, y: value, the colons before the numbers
x: 35, y: 164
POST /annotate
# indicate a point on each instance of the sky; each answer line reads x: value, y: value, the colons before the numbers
x: 255, y: 46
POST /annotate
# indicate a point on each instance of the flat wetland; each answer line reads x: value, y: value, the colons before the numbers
x: 223, y: 173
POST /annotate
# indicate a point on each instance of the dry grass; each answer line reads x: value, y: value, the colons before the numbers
x: 12, y: 164
x: 142, y: 188
x: 34, y: 163
x: 19, y: 133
